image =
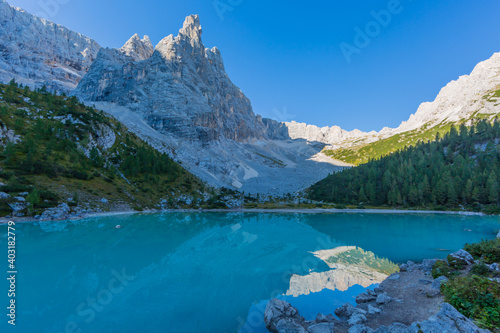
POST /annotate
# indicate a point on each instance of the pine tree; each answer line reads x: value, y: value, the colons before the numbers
x: 413, y: 196
x: 469, y: 187
x: 362, y: 195
x: 476, y: 195
x: 492, y: 188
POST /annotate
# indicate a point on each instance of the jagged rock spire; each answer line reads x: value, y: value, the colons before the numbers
x: 138, y: 49
x: 191, y: 28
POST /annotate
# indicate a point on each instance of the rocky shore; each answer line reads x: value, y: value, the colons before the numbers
x: 64, y: 212
x: 409, y: 301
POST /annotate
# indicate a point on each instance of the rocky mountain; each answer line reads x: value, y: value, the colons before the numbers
x: 180, y: 87
x: 328, y: 135
x: 176, y: 96
x: 138, y: 49
x: 93, y: 162
x: 179, y: 98
x: 471, y: 96
x: 37, y: 52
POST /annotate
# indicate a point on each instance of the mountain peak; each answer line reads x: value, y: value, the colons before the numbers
x: 138, y: 49
x: 191, y: 28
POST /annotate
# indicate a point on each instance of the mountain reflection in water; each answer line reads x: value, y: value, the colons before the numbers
x: 350, y: 266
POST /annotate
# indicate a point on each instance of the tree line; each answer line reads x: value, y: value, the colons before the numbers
x: 459, y: 169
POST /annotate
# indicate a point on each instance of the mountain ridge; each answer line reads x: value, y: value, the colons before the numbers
x: 182, y: 92
x: 179, y: 99
x: 458, y: 101
x: 37, y: 52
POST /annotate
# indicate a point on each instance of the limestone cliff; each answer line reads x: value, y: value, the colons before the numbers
x: 37, y: 52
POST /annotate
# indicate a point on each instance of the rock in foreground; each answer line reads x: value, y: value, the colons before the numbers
x: 406, y: 302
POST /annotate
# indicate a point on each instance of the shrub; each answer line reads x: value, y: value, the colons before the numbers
x: 15, y: 185
x: 441, y: 268
x: 487, y: 250
x: 492, y: 210
x: 5, y: 209
x: 475, y: 297
x: 456, y: 263
x: 480, y: 269
x: 34, y: 197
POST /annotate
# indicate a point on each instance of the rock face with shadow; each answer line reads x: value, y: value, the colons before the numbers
x: 37, y: 52
x: 178, y: 97
x: 281, y: 317
x: 180, y: 88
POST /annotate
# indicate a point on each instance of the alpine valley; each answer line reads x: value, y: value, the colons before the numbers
x: 177, y: 99
x: 249, y: 224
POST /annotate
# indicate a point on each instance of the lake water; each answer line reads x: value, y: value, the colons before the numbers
x: 212, y: 272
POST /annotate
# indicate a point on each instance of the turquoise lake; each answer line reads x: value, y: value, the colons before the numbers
x: 212, y: 272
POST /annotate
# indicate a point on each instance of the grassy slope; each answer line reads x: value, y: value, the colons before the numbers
x: 52, y: 160
x: 362, y: 153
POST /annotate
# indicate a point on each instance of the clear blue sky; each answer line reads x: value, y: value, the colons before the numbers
x: 287, y: 53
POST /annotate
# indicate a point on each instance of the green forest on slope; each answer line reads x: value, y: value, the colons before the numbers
x: 460, y: 170
x: 361, y: 153
x: 50, y: 153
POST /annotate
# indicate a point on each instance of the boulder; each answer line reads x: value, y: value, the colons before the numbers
x: 373, y: 310
x: 281, y: 316
x: 289, y: 325
x: 321, y: 318
x: 60, y: 212
x: 345, y: 311
x: 494, y: 267
x: 17, y: 206
x: 449, y: 320
x: 4, y: 195
x: 409, y: 267
x: 356, y: 318
x: 367, y: 296
x: 427, y: 265
x: 459, y: 258
x: 394, y: 277
x: 383, y: 299
x: 439, y: 281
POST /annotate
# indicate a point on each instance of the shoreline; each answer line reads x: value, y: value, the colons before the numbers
x: 248, y: 210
